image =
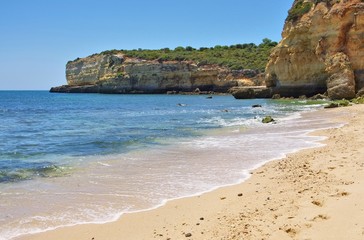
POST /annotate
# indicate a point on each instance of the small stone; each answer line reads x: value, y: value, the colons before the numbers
x: 201, y: 218
x: 240, y: 195
x: 317, y: 203
x: 188, y: 235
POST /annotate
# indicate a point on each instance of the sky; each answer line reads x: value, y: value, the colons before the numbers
x: 38, y: 37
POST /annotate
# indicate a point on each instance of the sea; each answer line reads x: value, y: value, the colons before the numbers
x: 68, y: 159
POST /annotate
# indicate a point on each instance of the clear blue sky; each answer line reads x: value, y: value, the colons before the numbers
x: 38, y: 37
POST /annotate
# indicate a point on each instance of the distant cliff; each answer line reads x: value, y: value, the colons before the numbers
x: 187, y: 69
x: 322, y: 50
x: 116, y: 73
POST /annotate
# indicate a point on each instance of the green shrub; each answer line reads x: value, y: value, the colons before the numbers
x: 298, y: 10
x: 330, y: 2
x: 235, y: 57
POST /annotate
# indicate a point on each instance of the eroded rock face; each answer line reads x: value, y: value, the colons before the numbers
x: 115, y: 73
x: 321, y: 50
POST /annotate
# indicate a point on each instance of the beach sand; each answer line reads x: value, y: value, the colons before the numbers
x: 312, y: 194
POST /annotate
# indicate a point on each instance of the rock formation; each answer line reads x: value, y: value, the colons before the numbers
x: 116, y: 73
x: 322, y: 50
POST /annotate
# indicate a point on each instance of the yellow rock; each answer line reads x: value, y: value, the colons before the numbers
x: 322, y: 50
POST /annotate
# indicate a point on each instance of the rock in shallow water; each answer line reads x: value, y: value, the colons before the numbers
x: 267, y: 119
x: 256, y: 106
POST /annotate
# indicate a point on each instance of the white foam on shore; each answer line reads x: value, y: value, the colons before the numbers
x: 181, y: 169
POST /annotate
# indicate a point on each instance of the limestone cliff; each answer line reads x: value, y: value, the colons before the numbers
x: 116, y: 73
x: 322, y: 49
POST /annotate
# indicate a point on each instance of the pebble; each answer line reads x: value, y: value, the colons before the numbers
x: 240, y: 195
x: 188, y: 235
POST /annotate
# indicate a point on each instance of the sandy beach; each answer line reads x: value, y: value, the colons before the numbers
x: 312, y: 194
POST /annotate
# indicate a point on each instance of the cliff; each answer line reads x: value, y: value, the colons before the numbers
x: 322, y: 50
x: 116, y: 73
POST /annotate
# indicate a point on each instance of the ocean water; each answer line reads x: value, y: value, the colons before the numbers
x: 69, y: 159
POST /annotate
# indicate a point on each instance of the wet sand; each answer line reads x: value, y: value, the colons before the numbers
x: 312, y: 194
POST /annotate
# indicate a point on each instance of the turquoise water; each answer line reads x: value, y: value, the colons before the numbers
x: 39, y: 128
x: 78, y: 158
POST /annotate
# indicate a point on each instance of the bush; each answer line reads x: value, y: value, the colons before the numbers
x: 189, y: 48
x: 298, y: 10
x: 235, y: 57
x: 179, y: 49
x: 113, y: 51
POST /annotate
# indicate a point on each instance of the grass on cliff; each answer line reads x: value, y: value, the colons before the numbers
x: 235, y: 57
x: 298, y: 10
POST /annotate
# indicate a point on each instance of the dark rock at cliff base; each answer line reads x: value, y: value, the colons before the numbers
x: 75, y: 89
x: 298, y: 91
x: 245, y: 93
x: 250, y: 92
x: 263, y: 92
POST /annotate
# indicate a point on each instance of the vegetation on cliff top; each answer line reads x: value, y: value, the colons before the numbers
x: 302, y: 7
x: 235, y: 57
x: 298, y: 10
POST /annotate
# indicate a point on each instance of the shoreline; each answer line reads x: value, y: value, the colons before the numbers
x: 202, y: 215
